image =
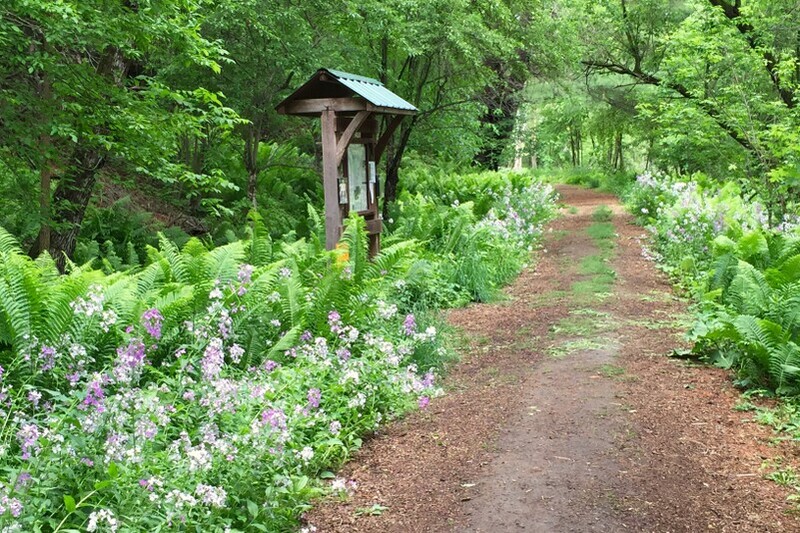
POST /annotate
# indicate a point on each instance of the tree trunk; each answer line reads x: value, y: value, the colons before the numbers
x: 252, y: 141
x: 393, y: 167
x: 46, y: 172
x: 69, y: 205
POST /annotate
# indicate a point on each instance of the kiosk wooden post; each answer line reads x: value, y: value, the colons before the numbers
x: 347, y: 105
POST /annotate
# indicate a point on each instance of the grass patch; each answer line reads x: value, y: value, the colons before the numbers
x: 611, y: 371
x: 594, y: 265
x: 657, y: 296
x: 602, y: 276
x: 581, y: 322
x: 596, y: 287
x: 657, y: 324
x: 548, y: 298
x: 578, y: 345
x: 600, y: 231
x: 602, y: 214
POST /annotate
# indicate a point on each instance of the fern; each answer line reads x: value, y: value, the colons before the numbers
x: 748, y: 292
x: 260, y: 246
x: 178, y: 269
x: 8, y: 244
x: 18, y: 299
x: 754, y: 248
x: 222, y: 263
x: 784, y: 368
x: 355, y: 238
x: 723, y: 271
x: 758, y: 340
x: 294, y: 299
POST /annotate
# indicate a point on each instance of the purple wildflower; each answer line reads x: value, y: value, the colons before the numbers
x: 129, y: 359
x: 48, y: 356
x: 34, y: 396
x: 270, y: 365
x: 245, y: 274
x: 423, y: 402
x: 335, y: 321
x: 275, y: 418
x: 343, y: 353
x: 409, y: 325
x: 236, y: 352
x: 23, y: 480
x: 28, y: 437
x: 213, y: 359
x: 94, y: 395
x: 314, y: 397
x: 152, y: 321
x: 13, y: 505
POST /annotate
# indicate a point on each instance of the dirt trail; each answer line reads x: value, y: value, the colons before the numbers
x: 565, y: 414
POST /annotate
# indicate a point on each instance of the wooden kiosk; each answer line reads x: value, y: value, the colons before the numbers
x: 348, y: 106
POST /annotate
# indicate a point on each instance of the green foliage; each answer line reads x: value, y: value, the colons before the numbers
x: 59, y: 334
x: 743, y: 273
x: 219, y: 384
x: 751, y: 311
x: 477, y: 230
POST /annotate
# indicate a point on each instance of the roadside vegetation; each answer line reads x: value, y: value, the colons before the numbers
x: 222, y: 385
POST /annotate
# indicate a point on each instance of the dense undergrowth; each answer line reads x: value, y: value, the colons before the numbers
x: 743, y: 272
x: 215, y: 388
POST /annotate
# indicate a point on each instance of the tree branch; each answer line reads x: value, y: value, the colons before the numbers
x: 734, y: 14
x: 649, y: 79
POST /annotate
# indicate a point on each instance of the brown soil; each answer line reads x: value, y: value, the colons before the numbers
x: 565, y: 415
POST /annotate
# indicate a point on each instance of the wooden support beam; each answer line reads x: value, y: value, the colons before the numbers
x: 352, y: 128
x: 384, y: 139
x: 330, y: 179
x: 313, y: 106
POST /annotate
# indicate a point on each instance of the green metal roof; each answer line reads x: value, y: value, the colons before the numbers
x: 371, y: 90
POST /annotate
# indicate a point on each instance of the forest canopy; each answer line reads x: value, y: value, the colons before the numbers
x: 161, y: 114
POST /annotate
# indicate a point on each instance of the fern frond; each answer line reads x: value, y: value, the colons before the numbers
x: 784, y: 368
x: 260, y: 245
x: 178, y: 268
x: 754, y: 248
x: 18, y: 298
x: 723, y: 271
x: 749, y: 291
x: 294, y: 299
x: 223, y: 262
x: 390, y: 257
x: 8, y: 243
x: 288, y: 340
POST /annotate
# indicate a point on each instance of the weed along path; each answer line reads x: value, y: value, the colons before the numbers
x: 566, y: 415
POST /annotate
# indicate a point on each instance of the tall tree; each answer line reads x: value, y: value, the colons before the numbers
x: 80, y: 87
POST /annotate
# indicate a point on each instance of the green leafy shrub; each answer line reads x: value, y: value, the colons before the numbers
x: 202, y: 389
x: 744, y: 274
x: 750, y: 315
x: 477, y: 230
